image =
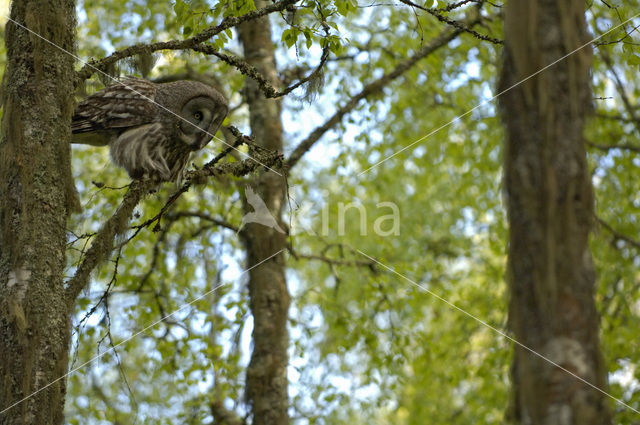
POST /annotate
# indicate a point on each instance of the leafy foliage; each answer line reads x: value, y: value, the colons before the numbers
x: 367, y: 345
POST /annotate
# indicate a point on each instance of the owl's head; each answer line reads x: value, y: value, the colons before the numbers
x: 202, y: 110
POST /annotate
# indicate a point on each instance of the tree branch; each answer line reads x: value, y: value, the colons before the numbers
x: 452, y: 6
x: 623, y: 146
x: 615, y: 117
x: 617, y: 235
x: 217, y: 221
x: 103, y: 243
x: 267, y: 89
x: 335, y: 261
x: 94, y: 66
x: 371, y: 89
x: 456, y: 24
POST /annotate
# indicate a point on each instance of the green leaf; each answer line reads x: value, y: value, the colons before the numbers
x: 289, y: 36
x: 309, y: 37
x: 633, y: 59
x: 180, y: 8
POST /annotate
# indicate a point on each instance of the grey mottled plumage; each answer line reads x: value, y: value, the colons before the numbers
x: 151, y: 129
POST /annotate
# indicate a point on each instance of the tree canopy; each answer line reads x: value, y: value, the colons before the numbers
x: 395, y: 113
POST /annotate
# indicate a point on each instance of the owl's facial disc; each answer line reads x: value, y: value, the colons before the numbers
x: 198, y: 113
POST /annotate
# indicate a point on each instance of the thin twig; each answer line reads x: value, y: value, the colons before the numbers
x: 229, y: 22
x: 456, y: 24
x: 618, y: 235
x: 623, y: 146
x: 369, y: 90
x: 250, y: 71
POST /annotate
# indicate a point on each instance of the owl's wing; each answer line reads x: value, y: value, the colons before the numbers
x: 125, y: 104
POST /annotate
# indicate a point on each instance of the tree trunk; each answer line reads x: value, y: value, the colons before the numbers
x: 34, y: 188
x: 269, y: 297
x: 550, y: 209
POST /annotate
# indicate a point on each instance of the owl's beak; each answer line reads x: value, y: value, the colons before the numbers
x: 205, y: 139
x: 213, y: 129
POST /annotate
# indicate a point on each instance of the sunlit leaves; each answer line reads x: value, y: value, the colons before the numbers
x: 345, y: 7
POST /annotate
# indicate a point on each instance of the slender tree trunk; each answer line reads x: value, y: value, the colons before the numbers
x: 550, y: 208
x: 34, y: 181
x: 269, y: 297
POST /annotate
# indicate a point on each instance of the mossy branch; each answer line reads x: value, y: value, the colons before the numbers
x: 437, y: 13
x: 103, y: 243
x: 267, y: 89
x: 101, y: 65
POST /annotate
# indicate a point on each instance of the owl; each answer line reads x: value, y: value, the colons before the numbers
x: 151, y: 129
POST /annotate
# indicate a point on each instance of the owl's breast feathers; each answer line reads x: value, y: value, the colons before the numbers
x: 146, y: 150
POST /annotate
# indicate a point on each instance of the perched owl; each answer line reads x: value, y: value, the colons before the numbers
x: 151, y: 129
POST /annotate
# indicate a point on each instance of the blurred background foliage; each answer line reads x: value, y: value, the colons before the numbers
x: 367, y: 346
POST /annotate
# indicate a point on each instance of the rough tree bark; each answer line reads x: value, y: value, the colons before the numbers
x: 266, y: 387
x: 550, y: 208
x: 35, y: 178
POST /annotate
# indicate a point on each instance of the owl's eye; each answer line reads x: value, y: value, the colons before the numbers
x: 197, y: 116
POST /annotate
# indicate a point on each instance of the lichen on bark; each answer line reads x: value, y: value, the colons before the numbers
x: 38, y: 194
